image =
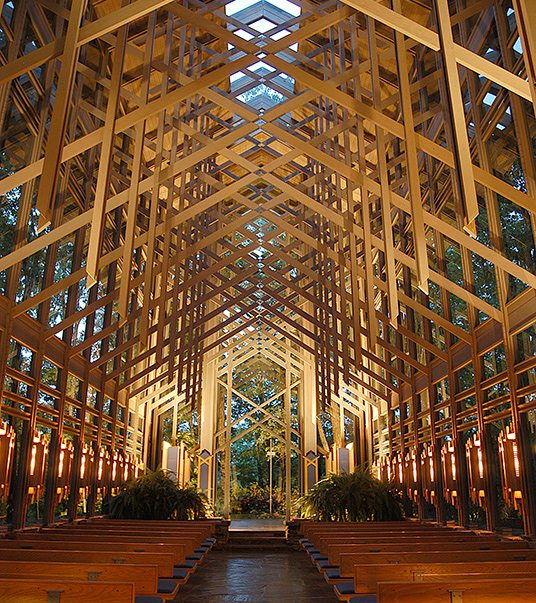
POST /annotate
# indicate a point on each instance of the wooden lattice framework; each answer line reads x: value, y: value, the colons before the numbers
x: 346, y: 180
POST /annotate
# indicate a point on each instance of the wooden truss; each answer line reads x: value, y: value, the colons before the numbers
x: 176, y: 177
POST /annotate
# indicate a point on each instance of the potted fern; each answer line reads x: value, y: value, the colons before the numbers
x: 356, y: 496
x: 155, y: 495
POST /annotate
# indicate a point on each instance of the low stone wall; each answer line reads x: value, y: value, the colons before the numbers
x: 222, y: 533
x: 293, y: 534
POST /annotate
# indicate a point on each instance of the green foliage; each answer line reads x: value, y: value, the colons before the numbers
x: 507, y: 512
x: 262, y: 382
x: 356, y: 496
x: 191, y: 504
x: 187, y: 427
x: 255, y: 500
x: 155, y: 495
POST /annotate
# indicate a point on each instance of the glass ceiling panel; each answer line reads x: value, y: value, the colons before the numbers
x: 262, y: 16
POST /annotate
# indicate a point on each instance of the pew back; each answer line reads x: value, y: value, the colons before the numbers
x: 367, y: 576
x: 177, y: 550
x: 485, y: 591
x: 189, y: 544
x: 349, y: 560
x: 31, y: 591
x: 164, y: 561
x: 334, y: 551
x: 143, y: 577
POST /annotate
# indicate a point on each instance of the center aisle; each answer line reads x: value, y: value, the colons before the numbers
x: 261, y: 576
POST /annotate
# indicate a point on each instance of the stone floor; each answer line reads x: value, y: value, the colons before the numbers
x: 282, y: 576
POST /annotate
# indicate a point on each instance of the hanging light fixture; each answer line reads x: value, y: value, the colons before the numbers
x: 36, y: 474
x: 65, y: 468
x: 428, y: 473
x: 450, y: 477
x: 397, y: 470
x: 117, y: 471
x: 411, y: 476
x: 7, y: 452
x: 384, y: 469
x: 87, y: 464
x: 133, y: 467
x: 104, y: 471
x: 475, y: 467
x: 510, y: 468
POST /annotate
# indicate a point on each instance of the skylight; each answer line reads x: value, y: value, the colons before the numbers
x: 238, y: 5
x: 255, y: 86
x: 262, y: 25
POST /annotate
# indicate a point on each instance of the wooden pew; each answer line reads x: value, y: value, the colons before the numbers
x: 201, y: 531
x: 325, y: 542
x: 168, y: 584
x: 209, y: 525
x: 390, y: 534
x: 177, y: 550
x: 180, y: 544
x: 312, y: 534
x: 373, y: 526
x: 367, y: 576
x: 326, y: 535
x: 485, y: 591
x: 349, y: 560
x: 335, y: 551
x: 382, y: 537
x: 164, y: 561
x: 50, y: 591
x: 198, y: 535
x: 143, y: 577
x: 465, y: 577
x: 190, y: 543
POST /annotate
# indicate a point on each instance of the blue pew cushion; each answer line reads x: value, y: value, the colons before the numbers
x: 166, y: 587
x: 187, y: 565
x: 147, y: 599
x: 180, y: 574
x: 345, y: 588
x: 200, y: 551
x: 195, y: 557
x: 332, y: 573
x: 319, y: 557
x: 325, y: 564
x: 364, y: 599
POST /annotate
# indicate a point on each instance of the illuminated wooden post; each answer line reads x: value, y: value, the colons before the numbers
x: 208, y: 418
x: 288, y: 441
x: 309, y: 423
x: 207, y: 429
x: 228, y: 435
